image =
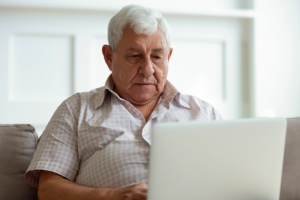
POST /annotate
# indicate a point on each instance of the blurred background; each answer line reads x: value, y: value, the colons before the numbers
x: 242, y: 56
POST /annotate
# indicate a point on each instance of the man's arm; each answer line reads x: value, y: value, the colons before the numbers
x: 54, y: 187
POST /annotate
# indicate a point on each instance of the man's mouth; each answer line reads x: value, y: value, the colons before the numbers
x: 145, y: 83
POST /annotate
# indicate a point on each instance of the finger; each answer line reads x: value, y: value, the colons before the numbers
x: 141, y: 186
x: 140, y: 191
x: 127, y: 197
x: 139, y: 196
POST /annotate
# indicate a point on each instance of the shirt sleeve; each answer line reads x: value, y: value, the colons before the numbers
x: 57, y: 147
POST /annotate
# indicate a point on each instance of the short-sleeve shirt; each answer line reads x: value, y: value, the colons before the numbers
x: 100, y: 140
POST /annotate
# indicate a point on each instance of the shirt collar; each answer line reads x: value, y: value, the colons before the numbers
x: 98, y: 99
x: 169, y: 94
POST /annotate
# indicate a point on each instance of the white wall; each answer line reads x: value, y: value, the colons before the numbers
x: 178, y: 6
x: 277, y: 58
x: 244, y: 56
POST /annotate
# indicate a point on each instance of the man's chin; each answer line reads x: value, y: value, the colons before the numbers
x: 144, y: 99
x: 144, y: 90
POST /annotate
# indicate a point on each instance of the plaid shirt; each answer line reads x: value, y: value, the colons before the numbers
x: 97, y: 139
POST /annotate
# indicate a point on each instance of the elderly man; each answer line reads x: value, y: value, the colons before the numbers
x: 96, y: 145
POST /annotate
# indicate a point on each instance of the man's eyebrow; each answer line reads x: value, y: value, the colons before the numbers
x: 139, y: 50
x: 158, y: 50
x: 134, y: 49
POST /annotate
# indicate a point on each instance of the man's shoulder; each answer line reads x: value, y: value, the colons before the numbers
x: 82, y: 98
x: 77, y: 104
x: 194, y: 101
x: 200, y: 106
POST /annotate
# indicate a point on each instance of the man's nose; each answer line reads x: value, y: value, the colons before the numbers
x: 146, y: 67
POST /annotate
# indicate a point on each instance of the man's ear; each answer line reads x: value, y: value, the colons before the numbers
x: 107, y: 54
x: 170, y: 53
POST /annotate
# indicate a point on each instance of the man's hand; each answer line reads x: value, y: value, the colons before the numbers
x: 133, y: 192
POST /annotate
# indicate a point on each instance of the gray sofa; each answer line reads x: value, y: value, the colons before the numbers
x: 18, y: 143
x: 17, y: 146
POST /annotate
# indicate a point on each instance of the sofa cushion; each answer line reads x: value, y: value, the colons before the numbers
x: 17, y: 146
x: 290, y: 183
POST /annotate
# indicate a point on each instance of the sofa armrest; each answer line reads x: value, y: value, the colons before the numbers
x: 17, y: 146
x: 290, y: 183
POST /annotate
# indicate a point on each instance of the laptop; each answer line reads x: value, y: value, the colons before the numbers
x: 218, y: 160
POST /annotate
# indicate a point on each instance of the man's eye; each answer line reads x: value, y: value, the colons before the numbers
x: 135, y: 56
x: 157, y: 57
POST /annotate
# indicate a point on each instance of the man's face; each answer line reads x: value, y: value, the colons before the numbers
x: 140, y: 66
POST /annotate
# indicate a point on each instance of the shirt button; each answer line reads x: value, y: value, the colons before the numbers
x: 129, y: 108
x: 146, y: 130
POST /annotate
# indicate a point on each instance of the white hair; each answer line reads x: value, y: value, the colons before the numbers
x: 142, y: 20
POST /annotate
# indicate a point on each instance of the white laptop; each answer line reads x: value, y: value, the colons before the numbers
x: 220, y: 160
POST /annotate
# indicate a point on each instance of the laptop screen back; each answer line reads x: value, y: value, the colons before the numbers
x: 225, y: 160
